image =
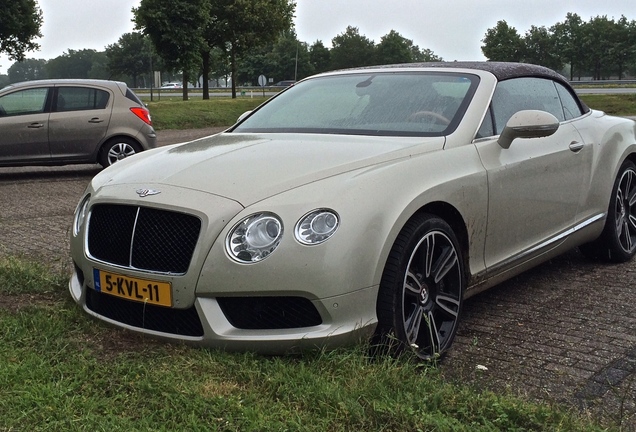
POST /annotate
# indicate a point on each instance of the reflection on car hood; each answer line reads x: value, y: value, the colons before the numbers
x: 250, y: 167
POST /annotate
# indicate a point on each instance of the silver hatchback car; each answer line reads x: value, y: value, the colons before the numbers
x: 59, y: 122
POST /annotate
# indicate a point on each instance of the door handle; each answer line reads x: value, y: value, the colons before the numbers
x: 95, y: 120
x: 576, y: 146
x: 35, y: 125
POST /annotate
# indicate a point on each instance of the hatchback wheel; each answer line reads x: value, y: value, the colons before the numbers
x: 117, y: 149
x: 420, y: 298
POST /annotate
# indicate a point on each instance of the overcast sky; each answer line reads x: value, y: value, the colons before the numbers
x: 452, y: 29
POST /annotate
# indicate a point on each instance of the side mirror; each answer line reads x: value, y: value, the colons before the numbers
x: 242, y: 116
x: 528, y: 124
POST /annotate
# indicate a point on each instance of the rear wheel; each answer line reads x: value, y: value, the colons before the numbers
x: 617, y: 243
x: 420, y: 298
x: 117, y: 149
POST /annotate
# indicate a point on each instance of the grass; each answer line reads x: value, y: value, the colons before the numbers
x: 62, y: 370
x: 614, y: 104
x: 174, y: 113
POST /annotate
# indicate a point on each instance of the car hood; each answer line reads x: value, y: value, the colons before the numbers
x: 251, y: 167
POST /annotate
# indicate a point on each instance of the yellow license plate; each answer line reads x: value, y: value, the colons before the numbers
x: 139, y: 290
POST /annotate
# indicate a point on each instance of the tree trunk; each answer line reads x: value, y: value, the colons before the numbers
x: 205, y: 56
x: 185, y: 85
x: 233, y: 67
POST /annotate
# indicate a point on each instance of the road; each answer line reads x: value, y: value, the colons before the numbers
x: 609, y: 90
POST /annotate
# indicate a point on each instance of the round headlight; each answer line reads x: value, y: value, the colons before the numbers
x: 317, y: 226
x: 80, y: 214
x: 254, y: 238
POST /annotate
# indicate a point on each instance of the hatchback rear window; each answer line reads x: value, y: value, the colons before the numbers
x: 133, y: 97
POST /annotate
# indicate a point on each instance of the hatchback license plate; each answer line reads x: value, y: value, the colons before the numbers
x: 139, y: 290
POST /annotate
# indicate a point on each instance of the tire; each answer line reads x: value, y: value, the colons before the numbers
x: 421, y: 291
x: 117, y: 149
x: 617, y: 242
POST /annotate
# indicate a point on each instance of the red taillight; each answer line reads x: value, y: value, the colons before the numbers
x: 143, y: 114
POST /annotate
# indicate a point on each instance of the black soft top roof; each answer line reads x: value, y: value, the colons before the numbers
x: 501, y: 70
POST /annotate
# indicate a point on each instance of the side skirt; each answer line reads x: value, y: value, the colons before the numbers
x: 562, y: 242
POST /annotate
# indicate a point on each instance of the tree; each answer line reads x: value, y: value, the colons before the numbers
x: 27, y: 70
x: 502, y: 43
x: 351, y: 49
x: 175, y: 28
x: 425, y: 55
x: 290, y: 58
x: 568, y: 37
x: 319, y: 57
x: 631, y: 59
x: 238, y: 26
x: 622, y: 51
x: 20, y: 23
x: 254, y: 63
x: 540, y: 48
x: 599, y: 36
x: 99, y: 66
x: 131, y: 56
x: 393, y: 48
x: 74, y: 64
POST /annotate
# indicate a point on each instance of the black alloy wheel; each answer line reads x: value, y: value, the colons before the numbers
x: 617, y: 243
x: 420, y: 298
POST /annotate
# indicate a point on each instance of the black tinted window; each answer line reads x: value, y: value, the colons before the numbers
x: 133, y: 97
x: 486, y: 128
x: 80, y: 98
x: 571, y: 107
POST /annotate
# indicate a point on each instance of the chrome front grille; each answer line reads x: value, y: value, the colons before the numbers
x: 142, y: 238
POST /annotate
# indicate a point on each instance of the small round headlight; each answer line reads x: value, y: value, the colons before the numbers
x: 80, y: 214
x: 254, y: 238
x: 317, y: 226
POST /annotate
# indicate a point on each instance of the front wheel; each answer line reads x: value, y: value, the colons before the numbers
x: 421, y: 292
x: 117, y: 149
x: 617, y: 243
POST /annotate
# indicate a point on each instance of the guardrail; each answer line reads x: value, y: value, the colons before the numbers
x: 592, y: 83
x: 212, y: 89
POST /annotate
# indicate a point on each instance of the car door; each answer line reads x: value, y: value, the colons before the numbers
x: 534, y: 186
x: 24, y: 126
x: 79, y: 121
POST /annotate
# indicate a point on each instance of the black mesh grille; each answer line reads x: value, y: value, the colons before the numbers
x: 183, y: 322
x: 110, y: 231
x: 160, y: 240
x: 262, y: 313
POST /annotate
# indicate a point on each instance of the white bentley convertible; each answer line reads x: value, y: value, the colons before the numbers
x: 363, y: 203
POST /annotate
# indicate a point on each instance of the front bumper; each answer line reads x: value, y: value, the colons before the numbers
x: 345, y: 319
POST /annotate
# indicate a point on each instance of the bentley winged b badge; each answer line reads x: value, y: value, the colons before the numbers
x: 146, y: 192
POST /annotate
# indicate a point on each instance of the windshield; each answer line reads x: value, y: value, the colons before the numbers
x: 385, y: 103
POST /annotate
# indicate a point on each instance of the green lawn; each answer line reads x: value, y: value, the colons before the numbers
x: 61, y: 370
x: 174, y: 113
x: 615, y: 104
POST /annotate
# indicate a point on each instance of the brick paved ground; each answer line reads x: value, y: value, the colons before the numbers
x: 564, y: 332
